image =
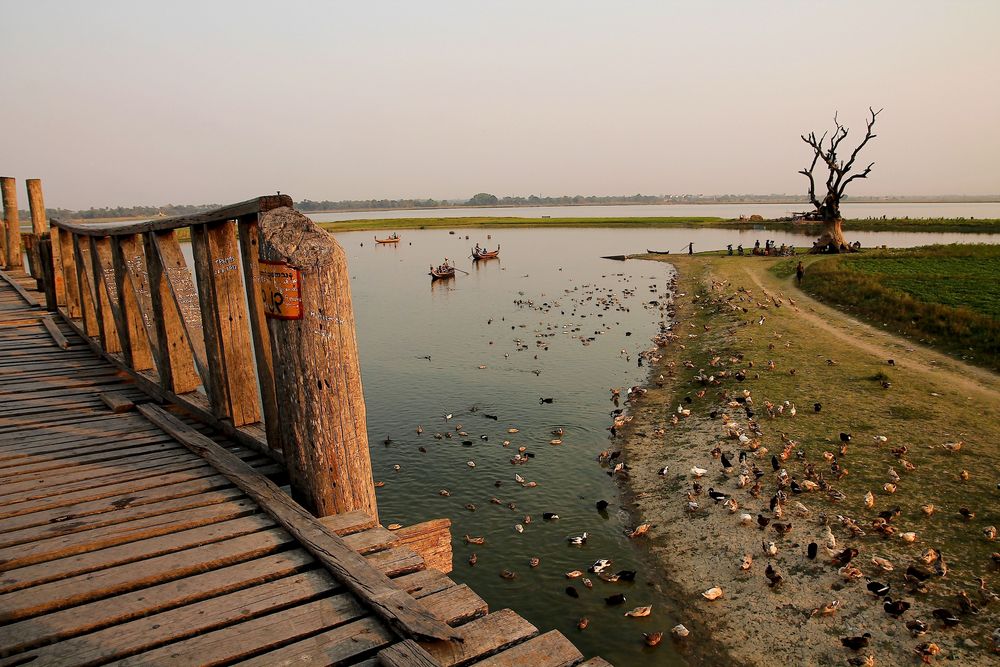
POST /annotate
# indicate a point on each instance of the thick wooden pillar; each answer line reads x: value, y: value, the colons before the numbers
x: 305, y: 289
x: 11, y: 223
x: 39, y: 227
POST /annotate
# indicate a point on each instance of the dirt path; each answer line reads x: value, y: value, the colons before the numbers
x: 880, y: 344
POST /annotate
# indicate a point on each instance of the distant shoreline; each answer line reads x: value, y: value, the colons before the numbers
x: 753, y: 202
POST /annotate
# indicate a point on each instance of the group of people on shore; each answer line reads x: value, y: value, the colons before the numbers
x: 770, y: 249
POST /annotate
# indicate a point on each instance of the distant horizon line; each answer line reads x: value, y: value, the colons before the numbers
x: 594, y: 200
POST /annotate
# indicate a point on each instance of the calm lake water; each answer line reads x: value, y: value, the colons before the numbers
x: 728, y: 211
x: 529, y: 352
x: 525, y: 318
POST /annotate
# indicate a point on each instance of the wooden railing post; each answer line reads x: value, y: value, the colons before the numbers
x: 39, y: 226
x: 11, y: 223
x: 48, y: 272
x: 305, y: 288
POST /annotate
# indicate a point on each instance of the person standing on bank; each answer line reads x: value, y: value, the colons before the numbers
x: 691, y: 248
x: 799, y: 272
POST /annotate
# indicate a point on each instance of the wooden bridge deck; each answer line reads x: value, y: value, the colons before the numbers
x: 119, y: 544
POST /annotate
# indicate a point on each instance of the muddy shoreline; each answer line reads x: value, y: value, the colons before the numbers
x: 751, y: 624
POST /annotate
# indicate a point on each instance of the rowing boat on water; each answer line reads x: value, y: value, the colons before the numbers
x: 482, y: 253
x: 392, y: 239
x: 442, y: 272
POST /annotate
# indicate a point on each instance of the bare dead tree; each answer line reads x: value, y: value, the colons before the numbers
x: 838, y: 178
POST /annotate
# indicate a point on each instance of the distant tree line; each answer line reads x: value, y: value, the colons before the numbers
x: 488, y: 199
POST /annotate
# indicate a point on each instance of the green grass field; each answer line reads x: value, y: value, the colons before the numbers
x: 944, y: 296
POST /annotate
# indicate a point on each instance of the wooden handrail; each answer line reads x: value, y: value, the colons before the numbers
x: 231, y: 212
x: 263, y: 311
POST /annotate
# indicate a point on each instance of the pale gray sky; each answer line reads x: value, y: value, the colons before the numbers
x: 216, y: 101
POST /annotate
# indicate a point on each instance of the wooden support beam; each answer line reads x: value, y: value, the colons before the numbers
x: 12, y: 224
x: 111, y: 311
x: 57, y: 267
x: 136, y: 343
x: 184, y: 296
x: 233, y: 382
x: 249, y: 233
x: 107, y: 322
x: 396, y: 607
x: 88, y: 298
x: 49, y: 274
x: 317, y: 374
x: 432, y: 540
x: 70, y: 280
x: 175, y: 360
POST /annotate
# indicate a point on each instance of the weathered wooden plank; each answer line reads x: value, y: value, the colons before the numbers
x: 394, y: 606
x: 96, y: 521
x: 406, y: 654
x: 57, y: 336
x: 432, y: 540
x: 34, y: 576
x: 77, y: 511
x: 40, y: 551
x: 596, y: 661
x: 28, y: 297
x: 122, y: 608
x: 77, y: 590
x: 116, y: 401
x: 332, y: 647
x: 249, y: 233
x: 47, y: 483
x: 482, y: 637
x: 549, y: 650
x: 176, y: 361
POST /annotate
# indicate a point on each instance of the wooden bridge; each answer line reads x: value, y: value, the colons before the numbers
x: 148, y: 469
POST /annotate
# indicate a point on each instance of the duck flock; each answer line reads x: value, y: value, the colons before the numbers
x: 578, y: 315
x: 786, y: 502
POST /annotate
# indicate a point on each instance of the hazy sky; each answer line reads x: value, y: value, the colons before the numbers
x: 188, y: 102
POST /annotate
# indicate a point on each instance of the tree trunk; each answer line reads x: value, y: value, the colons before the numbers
x: 832, y: 234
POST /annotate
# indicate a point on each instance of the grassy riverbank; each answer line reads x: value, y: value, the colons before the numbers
x: 736, y: 315
x: 947, y: 297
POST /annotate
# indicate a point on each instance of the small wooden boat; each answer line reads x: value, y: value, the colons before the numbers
x: 442, y: 272
x: 392, y: 239
x: 482, y: 253
x: 657, y: 252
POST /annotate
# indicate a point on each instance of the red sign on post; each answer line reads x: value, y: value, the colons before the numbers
x: 279, y: 290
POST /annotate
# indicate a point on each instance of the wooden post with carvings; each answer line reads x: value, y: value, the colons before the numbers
x: 305, y: 288
x: 11, y: 224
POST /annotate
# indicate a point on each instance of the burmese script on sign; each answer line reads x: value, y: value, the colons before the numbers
x: 279, y: 289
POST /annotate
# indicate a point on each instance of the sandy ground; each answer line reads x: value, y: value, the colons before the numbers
x: 754, y: 624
